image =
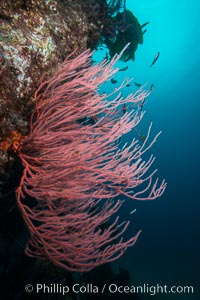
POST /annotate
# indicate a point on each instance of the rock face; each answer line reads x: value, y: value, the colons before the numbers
x: 35, y: 36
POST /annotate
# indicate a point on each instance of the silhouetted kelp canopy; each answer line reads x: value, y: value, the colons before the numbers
x: 126, y: 30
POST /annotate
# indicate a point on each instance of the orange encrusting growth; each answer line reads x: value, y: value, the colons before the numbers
x: 12, y: 141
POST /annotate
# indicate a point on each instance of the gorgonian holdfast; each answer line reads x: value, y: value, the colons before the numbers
x: 74, y: 169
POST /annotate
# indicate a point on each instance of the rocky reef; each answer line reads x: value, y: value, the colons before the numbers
x: 35, y: 36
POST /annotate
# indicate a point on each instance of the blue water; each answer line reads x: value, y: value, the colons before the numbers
x: 168, y: 250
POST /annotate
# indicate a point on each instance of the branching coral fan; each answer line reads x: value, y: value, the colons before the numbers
x: 74, y: 168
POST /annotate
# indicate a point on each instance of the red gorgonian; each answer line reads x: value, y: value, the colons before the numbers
x: 74, y: 168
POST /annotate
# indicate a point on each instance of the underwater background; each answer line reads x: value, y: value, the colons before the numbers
x: 167, y: 251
